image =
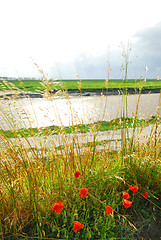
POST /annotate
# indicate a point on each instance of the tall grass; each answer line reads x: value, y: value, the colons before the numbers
x: 35, y: 175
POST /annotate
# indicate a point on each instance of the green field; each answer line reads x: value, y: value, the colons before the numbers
x: 33, y: 85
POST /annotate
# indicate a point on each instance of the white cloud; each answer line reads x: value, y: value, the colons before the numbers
x: 58, y: 31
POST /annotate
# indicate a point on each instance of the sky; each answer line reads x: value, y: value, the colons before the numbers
x: 86, y: 37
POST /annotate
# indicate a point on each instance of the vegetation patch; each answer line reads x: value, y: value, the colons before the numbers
x: 40, y: 85
x: 76, y: 191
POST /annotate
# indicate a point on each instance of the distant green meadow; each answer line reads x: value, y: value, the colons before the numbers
x: 33, y: 85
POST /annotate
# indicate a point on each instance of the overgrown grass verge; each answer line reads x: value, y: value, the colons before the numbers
x: 31, y: 185
x: 33, y: 179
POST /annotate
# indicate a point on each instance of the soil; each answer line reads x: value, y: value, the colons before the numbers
x: 153, y: 232
x: 111, y: 91
x: 84, y: 92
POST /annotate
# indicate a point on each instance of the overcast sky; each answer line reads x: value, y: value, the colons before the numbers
x: 70, y: 37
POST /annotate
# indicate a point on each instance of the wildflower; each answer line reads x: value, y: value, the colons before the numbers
x: 145, y: 194
x: 134, y: 189
x: 126, y: 203
x: 83, y: 192
x: 76, y: 174
x: 126, y: 195
x: 77, y: 225
x: 58, y: 207
x: 108, y: 209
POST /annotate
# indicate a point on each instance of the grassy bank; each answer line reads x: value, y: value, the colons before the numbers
x: 31, y: 183
x: 33, y: 85
x: 80, y: 182
x: 101, y: 126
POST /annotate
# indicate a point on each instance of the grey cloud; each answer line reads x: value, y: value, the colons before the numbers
x: 149, y: 40
x: 92, y: 66
x: 88, y: 66
x: 148, y: 49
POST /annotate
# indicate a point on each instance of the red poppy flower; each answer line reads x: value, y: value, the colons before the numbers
x: 77, y: 225
x: 126, y: 203
x: 108, y: 209
x: 145, y: 194
x: 126, y: 195
x: 83, y: 192
x: 58, y: 207
x: 134, y: 189
x: 76, y: 174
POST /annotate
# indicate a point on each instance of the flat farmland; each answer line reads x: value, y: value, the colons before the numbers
x: 33, y: 85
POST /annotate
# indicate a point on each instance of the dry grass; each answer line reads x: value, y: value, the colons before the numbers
x: 33, y: 178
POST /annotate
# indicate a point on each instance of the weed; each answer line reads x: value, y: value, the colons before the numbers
x: 40, y: 171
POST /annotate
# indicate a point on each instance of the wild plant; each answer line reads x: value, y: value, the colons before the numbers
x: 57, y: 183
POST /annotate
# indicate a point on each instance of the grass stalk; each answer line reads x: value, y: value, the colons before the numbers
x: 35, y: 176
